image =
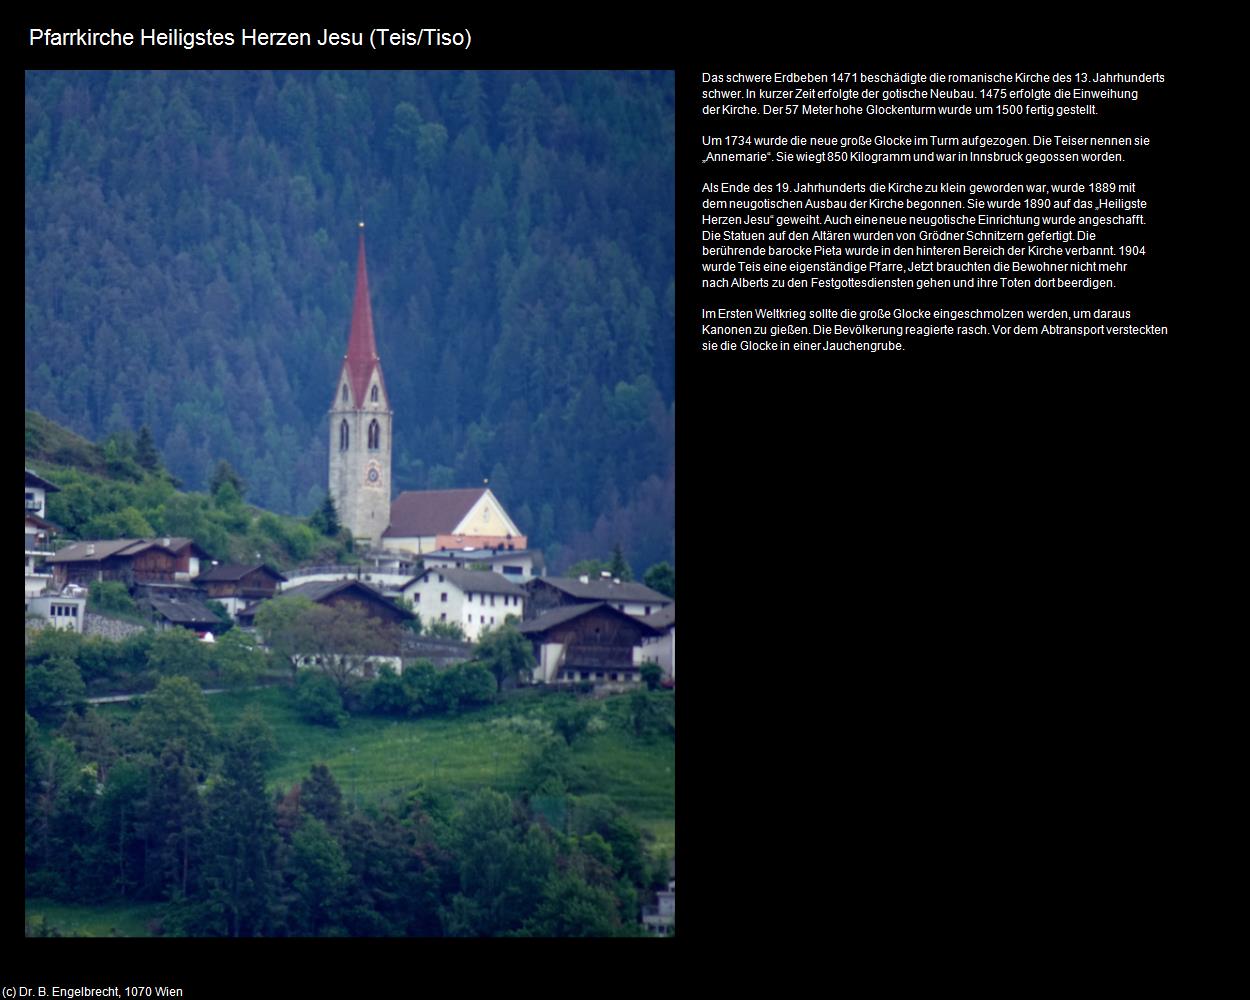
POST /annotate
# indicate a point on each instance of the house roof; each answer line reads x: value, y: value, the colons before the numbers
x: 602, y: 590
x: 97, y: 551
x: 39, y: 522
x: 34, y: 479
x: 184, y: 611
x: 474, y: 581
x: 415, y: 513
x: 559, y: 616
x: 664, y: 618
x: 232, y: 572
x: 362, y: 351
x: 318, y: 590
x: 106, y: 548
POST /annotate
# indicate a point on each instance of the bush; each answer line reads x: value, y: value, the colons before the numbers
x: 318, y: 700
x: 387, y: 695
x: 111, y: 595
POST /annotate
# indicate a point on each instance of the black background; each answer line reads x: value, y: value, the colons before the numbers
x: 925, y: 593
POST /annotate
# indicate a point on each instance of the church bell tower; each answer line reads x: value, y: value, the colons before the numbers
x: 360, y: 425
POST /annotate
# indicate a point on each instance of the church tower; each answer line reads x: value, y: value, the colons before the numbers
x: 360, y: 426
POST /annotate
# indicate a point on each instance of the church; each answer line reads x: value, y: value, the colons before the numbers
x: 360, y: 424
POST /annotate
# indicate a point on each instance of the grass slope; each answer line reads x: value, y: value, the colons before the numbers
x: 371, y: 756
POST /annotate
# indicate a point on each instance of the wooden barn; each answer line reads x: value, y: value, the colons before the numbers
x: 128, y: 560
x: 595, y: 643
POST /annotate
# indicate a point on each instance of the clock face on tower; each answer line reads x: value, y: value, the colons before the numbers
x: 373, y: 475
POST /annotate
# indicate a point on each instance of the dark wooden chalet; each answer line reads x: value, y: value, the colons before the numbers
x: 128, y: 560
x: 546, y: 593
x: 337, y: 592
x: 587, y: 642
x: 255, y: 582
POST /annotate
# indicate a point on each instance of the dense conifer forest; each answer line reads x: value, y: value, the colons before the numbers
x: 190, y: 253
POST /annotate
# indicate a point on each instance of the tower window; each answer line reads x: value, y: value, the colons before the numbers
x: 344, y: 392
x: 344, y: 436
x: 373, y: 394
x: 375, y: 434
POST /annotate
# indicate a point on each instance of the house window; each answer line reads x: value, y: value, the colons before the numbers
x: 373, y: 394
x: 513, y: 571
x: 613, y: 676
x: 416, y: 597
x: 443, y: 617
x: 483, y: 619
x: 344, y: 433
x: 444, y: 597
x: 440, y: 577
x: 375, y: 434
x: 492, y: 600
x: 646, y: 609
x: 470, y: 596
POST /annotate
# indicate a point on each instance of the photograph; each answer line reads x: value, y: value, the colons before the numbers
x: 350, y: 503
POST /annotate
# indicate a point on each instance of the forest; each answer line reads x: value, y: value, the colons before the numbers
x: 190, y: 246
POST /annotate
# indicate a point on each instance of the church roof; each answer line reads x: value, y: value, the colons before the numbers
x: 417, y: 513
x: 362, y: 350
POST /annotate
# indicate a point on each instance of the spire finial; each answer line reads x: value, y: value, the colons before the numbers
x: 361, y: 224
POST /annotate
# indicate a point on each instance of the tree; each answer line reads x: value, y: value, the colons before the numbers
x: 572, y: 908
x: 503, y: 867
x: 175, y: 823
x: 445, y: 630
x: 318, y: 700
x: 320, y: 878
x: 618, y: 567
x: 660, y: 577
x: 506, y: 653
x: 651, y: 674
x: 321, y: 797
x: 224, y: 475
x: 326, y: 518
x: 177, y: 711
x: 240, y: 846
x: 54, y: 688
x: 145, y: 450
x: 238, y: 658
x: 110, y: 595
x: 282, y: 623
x: 176, y: 652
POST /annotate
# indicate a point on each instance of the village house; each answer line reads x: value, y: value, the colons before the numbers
x: 662, y: 649
x: 517, y: 565
x: 181, y: 608
x: 67, y: 611
x: 237, y: 586
x: 596, y: 643
x: 128, y: 560
x: 475, y: 599
x: 632, y: 598
x: 39, y: 532
x: 333, y: 593
x: 432, y: 520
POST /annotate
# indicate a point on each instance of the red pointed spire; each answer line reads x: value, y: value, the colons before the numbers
x: 362, y: 351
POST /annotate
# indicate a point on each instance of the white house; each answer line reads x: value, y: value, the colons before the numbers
x: 37, y: 489
x: 38, y: 533
x: 61, y: 610
x: 476, y: 599
x: 518, y: 565
x: 663, y: 648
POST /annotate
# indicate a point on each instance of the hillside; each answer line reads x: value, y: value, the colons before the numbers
x: 106, y: 492
x: 189, y: 252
